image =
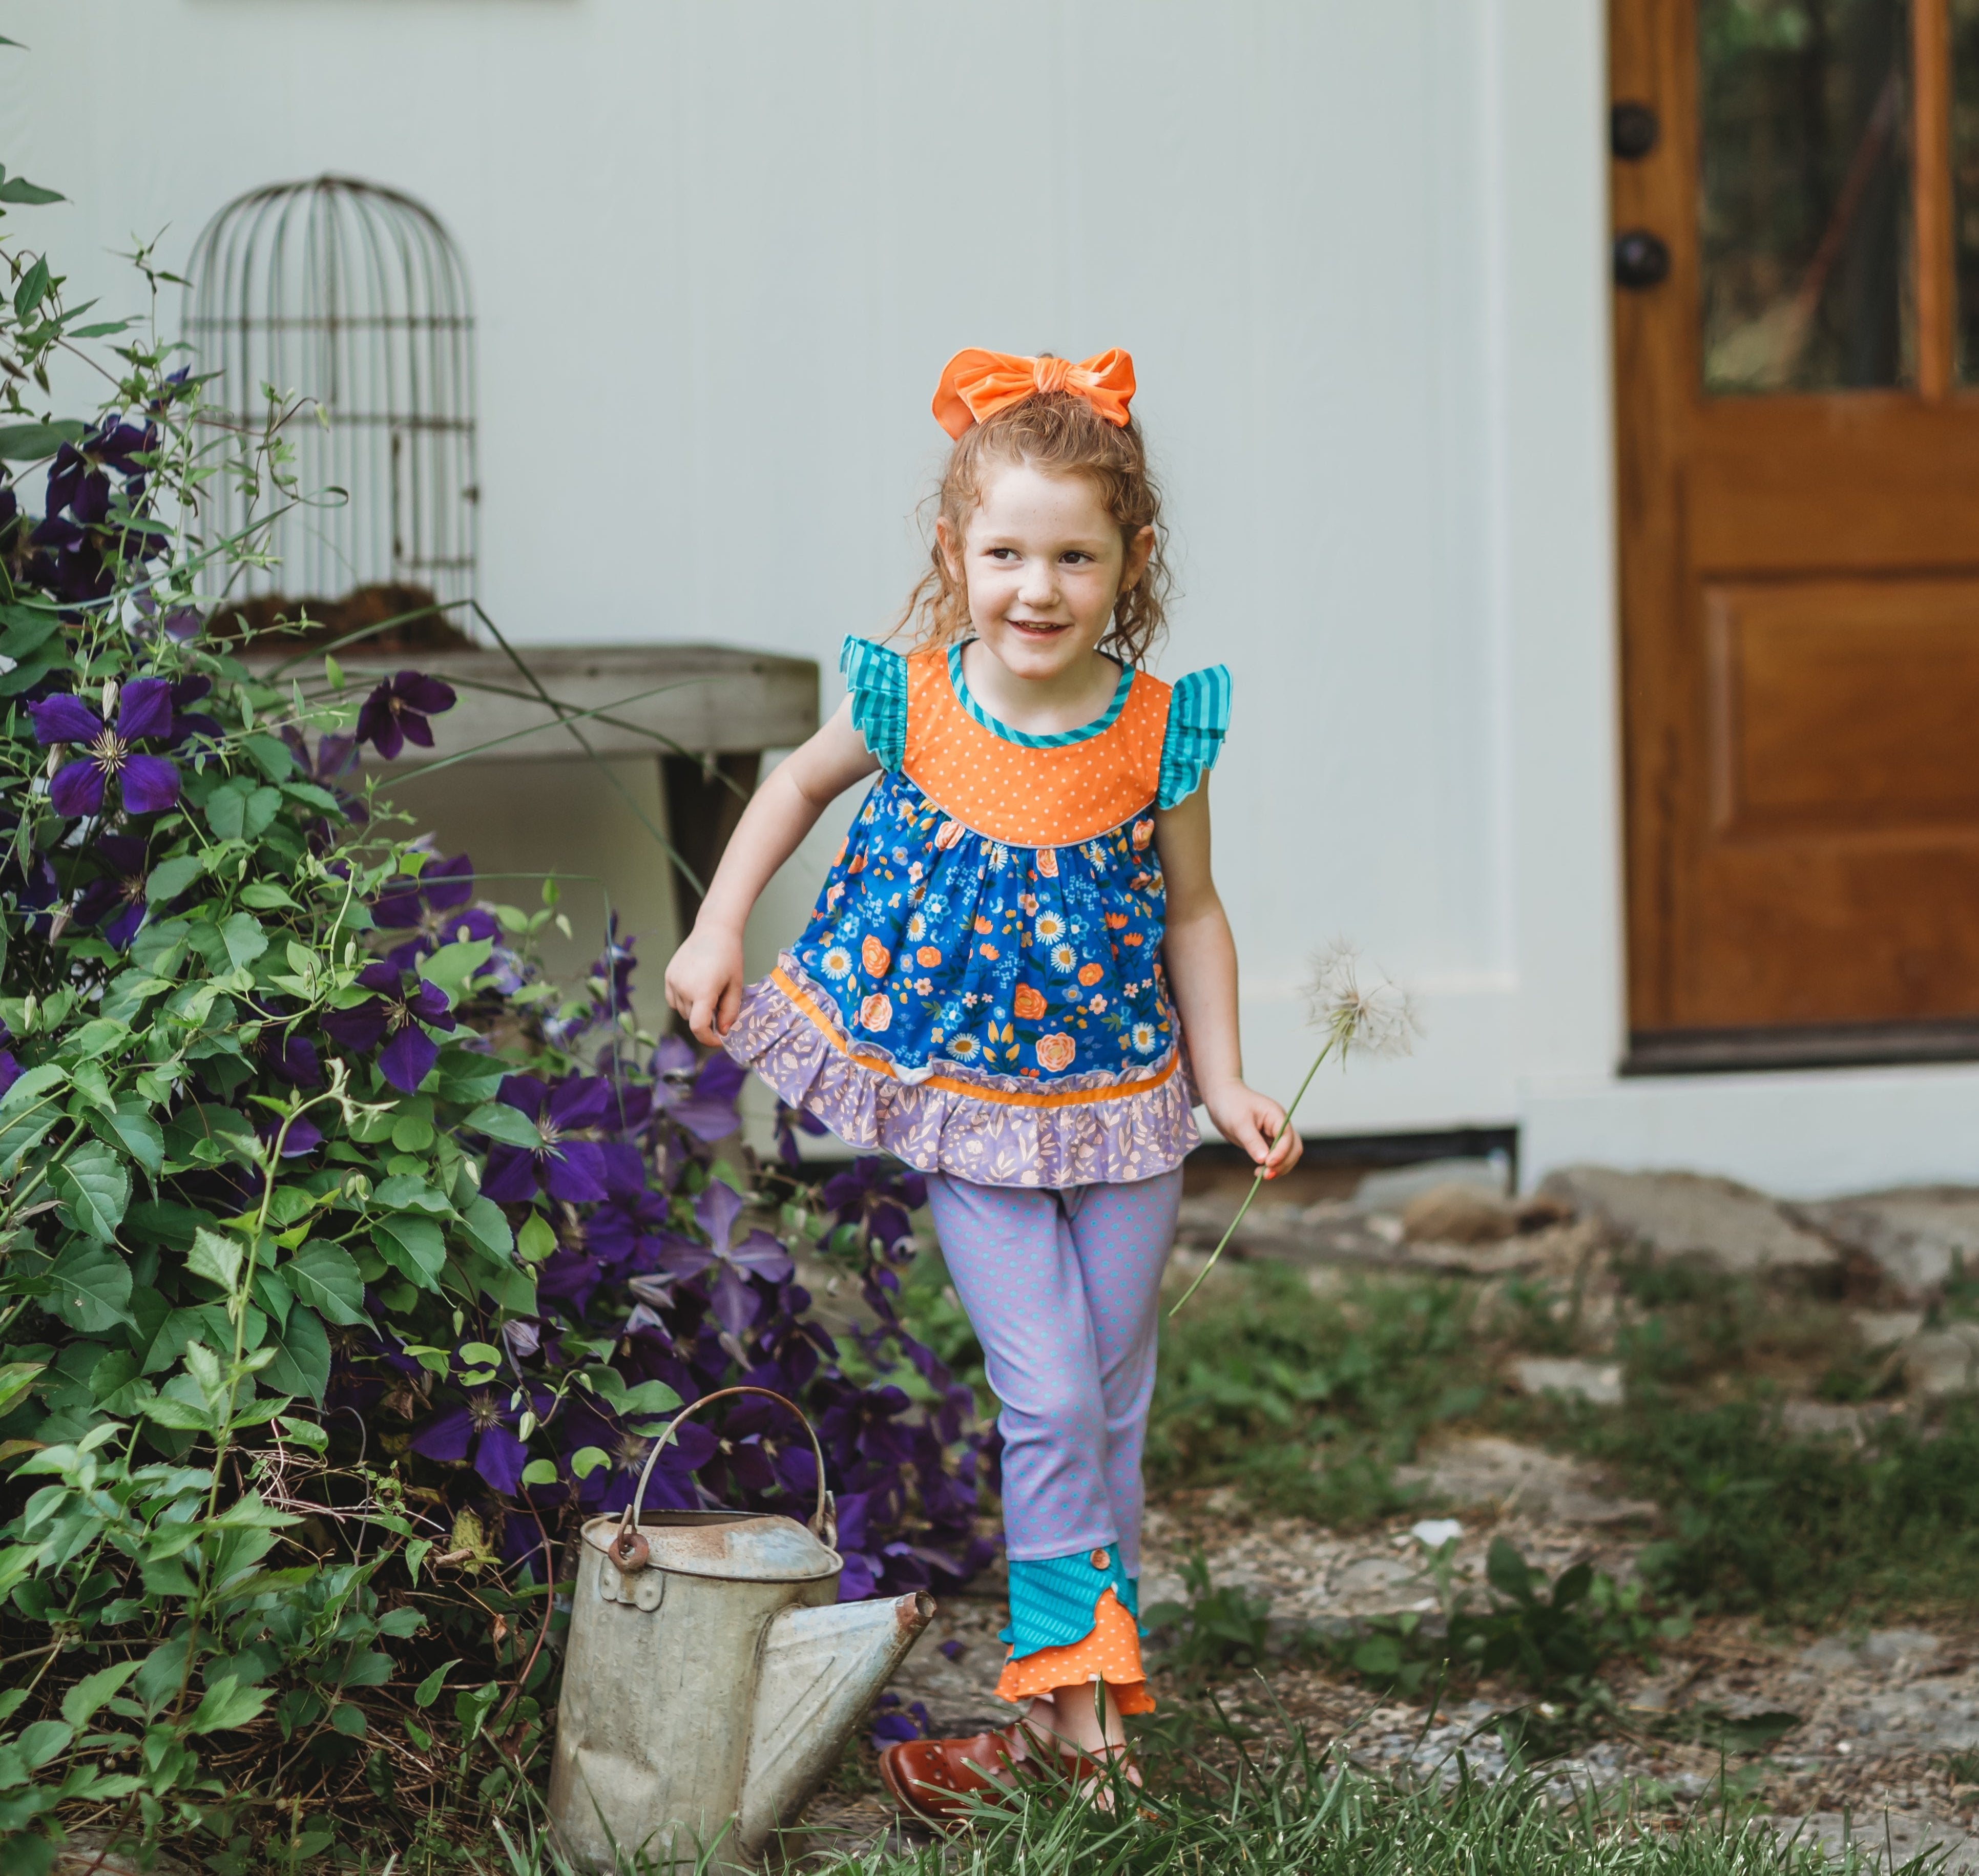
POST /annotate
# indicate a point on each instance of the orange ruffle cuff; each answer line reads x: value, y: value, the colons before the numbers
x: 1111, y: 1653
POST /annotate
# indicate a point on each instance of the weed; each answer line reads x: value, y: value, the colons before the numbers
x: 1215, y: 1629
x: 1308, y: 1402
x: 1802, y: 1529
x: 1551, y: 1639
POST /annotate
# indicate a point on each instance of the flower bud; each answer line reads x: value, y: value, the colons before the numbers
x: 356, y: 1188
x: 109, y: 698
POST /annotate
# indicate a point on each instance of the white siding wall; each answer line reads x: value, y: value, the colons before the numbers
x: 721, y: 250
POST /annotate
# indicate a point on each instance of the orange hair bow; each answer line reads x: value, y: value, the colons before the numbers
x: 977, y: 384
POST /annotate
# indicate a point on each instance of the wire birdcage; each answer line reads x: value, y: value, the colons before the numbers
x: 352, y: 296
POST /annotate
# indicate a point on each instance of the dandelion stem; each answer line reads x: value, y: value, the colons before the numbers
x: 1258, y: 1177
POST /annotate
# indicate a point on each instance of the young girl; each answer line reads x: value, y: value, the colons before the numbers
x: 1018, y: 932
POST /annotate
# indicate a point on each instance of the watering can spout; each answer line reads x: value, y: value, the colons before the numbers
x: 820, y: 1670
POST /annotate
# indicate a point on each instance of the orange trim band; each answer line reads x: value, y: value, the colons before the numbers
x: 1067, y: 1097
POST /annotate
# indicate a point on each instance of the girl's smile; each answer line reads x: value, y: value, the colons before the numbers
x: 1043, y: 564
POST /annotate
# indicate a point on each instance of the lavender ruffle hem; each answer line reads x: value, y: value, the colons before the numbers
x: 1146, y: 1128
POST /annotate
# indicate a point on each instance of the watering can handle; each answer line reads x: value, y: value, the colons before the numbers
x: 628, y: 1548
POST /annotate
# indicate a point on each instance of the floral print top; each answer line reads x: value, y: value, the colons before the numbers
x: 989, y: 936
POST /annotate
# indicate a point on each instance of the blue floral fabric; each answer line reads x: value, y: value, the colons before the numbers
x: 943, y: 948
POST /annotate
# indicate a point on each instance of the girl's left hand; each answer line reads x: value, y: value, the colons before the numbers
x: 1248, y: 1120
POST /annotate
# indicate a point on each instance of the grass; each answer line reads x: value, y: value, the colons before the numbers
x: 1306, y: 1400
x: 1302, y: 1815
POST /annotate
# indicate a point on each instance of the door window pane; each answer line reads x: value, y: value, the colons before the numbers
x: 1804, y: 204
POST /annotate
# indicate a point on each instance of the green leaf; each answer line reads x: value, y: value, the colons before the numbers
x: 403, y: 1193
x: 536, y: 1240
x: 324, y: 1276
x: 587, y: 1460
x: 33, y: 289
x: 306, y: 1433
x: 245, y: 939
x: 35, y: 1082
x: 540, y: 1471
x: 82, y: 1702
x: 272, y: 756
x: 18, y: 189
x: 16, y: 1377
x: 28, y: 443
x: 226, y: 1704
x: 500, y: 1121
x: 143, y: 1138
x: 265, y: 895
x: 452, y: 965
x: 484, y: 1223
x: 413, y: 1247
x: 410, y: 1134
x: 39, y: 1743
x: 1508, y: 1572
x: 171, y: 877
x: 90, y: 1287
x: 428, y: 1690
x: 216, y: 1258
x: 99, y: 1189
x: 301, y: 1366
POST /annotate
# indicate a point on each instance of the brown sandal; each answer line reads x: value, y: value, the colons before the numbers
x: 941, y: 1781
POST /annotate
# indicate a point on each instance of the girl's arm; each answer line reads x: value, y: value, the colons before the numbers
x: 1202, y: 959
x: 705, y: 979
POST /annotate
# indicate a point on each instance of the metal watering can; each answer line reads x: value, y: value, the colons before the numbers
x: 711, y: 1678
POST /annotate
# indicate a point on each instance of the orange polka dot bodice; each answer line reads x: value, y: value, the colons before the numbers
x: 1029, y: 795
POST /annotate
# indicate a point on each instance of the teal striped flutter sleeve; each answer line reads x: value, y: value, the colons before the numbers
x: 1199, y: 716
x: 877, y: 679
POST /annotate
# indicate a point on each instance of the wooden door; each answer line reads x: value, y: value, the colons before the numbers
x: 1795, y: 194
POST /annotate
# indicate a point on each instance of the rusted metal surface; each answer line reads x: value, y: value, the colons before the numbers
x: 708, y: 1690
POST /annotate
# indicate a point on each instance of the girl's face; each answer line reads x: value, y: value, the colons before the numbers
x: 1043, y: 562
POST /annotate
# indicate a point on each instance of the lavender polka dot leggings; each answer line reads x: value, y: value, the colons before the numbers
x: 1063, y: 1291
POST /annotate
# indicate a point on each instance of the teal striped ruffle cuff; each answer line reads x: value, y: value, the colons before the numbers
x: 1052, y: 1602
x: 1199, y: 716
x: 877, y: 679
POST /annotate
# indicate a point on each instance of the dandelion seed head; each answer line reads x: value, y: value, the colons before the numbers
x: 1363, y: 1009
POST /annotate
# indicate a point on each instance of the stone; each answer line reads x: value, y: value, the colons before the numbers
x: 1914, y: 1234
x: 1826, y: 1419
x: 1527, y: 1481
x: 1393, y: 1187
x: 1326, y: 1232
x: 1597, y: 1382
x: 1687, y: 1215
x: 1457, y: 1215
x: 1941, y: 1363
x: 1884, y: 1328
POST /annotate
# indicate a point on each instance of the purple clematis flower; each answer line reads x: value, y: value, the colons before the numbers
x: 698, y: 1095
x: 567, y: 1168
x: 279, y: 1049
x: 759, y: 1255
x: 396, y: 712
x: 149, y: 783
x: 434, y: 906
x: 116, y: 897
x: 10, y: 1070
x: 397, y: 1012
x: 303, y: 1136
x: 483, y: 1427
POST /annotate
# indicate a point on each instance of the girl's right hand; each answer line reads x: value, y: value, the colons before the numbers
x: 704, y: 984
